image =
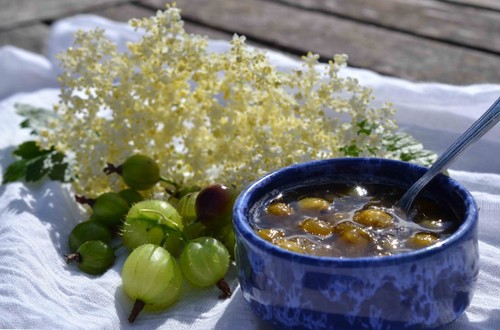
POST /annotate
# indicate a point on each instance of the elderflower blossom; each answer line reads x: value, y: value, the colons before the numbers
x: 205, y: 117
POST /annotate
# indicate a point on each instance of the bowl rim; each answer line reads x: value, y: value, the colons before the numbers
x: 242, y: 226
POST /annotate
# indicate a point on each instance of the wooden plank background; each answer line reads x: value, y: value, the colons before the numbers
x: 450, y: 41
x: 21, y: 12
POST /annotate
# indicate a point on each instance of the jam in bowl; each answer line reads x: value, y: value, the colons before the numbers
x: 320, y: 246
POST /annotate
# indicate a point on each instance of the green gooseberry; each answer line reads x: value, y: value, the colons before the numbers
x: 89, y: 230
x: 109, y: 208
x: 93, y: 257
x: 139, y: 172
x: 131, y: 196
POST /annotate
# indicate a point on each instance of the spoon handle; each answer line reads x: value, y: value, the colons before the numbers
x: 474, y: 133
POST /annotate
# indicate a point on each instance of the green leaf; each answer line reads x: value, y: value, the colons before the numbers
x: 36, y: 118
x: 58, y: 172
x: 351, y: 150
x: 364, y: 127
x: 14, y: 171
x: 35, y: 162
x: 57, y: 157
x: 36, y: 170
x: 59, y: 168
x: 404, y: 147
x: 25, y: 123
x: 29, y: 150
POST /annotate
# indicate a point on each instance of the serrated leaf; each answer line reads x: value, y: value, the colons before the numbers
x: 364, y: 127
x: 15, y: 171
x: 404, y: 147
x: 58, y: 172
x: 351, y: 150
x: 29, y: 150
x: 57, y: 157
x: 25, y: 123
x: 36, y: 163
x: 35, y: 170
x: 36, y: 118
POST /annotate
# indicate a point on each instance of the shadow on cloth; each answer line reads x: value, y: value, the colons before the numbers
x: 239, y: 306
x: 195, y: 305
x: 49, y: 202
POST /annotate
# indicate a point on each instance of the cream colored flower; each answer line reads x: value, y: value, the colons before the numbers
x: 228, y: 117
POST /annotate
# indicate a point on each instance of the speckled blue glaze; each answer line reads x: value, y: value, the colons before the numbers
x: 423, y: 289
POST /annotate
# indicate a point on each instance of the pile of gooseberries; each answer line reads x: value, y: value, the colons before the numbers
x: 188, y: 236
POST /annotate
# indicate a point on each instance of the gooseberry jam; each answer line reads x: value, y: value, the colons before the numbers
x: 349, y: 220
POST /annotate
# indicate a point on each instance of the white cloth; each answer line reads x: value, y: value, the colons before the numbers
x: 37, y: 288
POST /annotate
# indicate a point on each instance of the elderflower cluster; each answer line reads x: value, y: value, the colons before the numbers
x: 205, y: 117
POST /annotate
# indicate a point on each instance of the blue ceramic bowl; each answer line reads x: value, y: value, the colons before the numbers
x: 422, y: 289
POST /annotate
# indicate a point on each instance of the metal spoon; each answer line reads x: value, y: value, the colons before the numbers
x: 489, y: 119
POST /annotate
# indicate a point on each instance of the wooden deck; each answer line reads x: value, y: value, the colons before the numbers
x: 450, y: 41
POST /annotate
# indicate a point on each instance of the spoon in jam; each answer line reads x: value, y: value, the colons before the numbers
x: 489, y: 119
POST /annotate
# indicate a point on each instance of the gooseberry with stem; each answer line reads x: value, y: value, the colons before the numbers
x: 151, y: 277
x: 139, y: 172
x: 204, y: 261
x: 108, y: 208
x: 93, y: 257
